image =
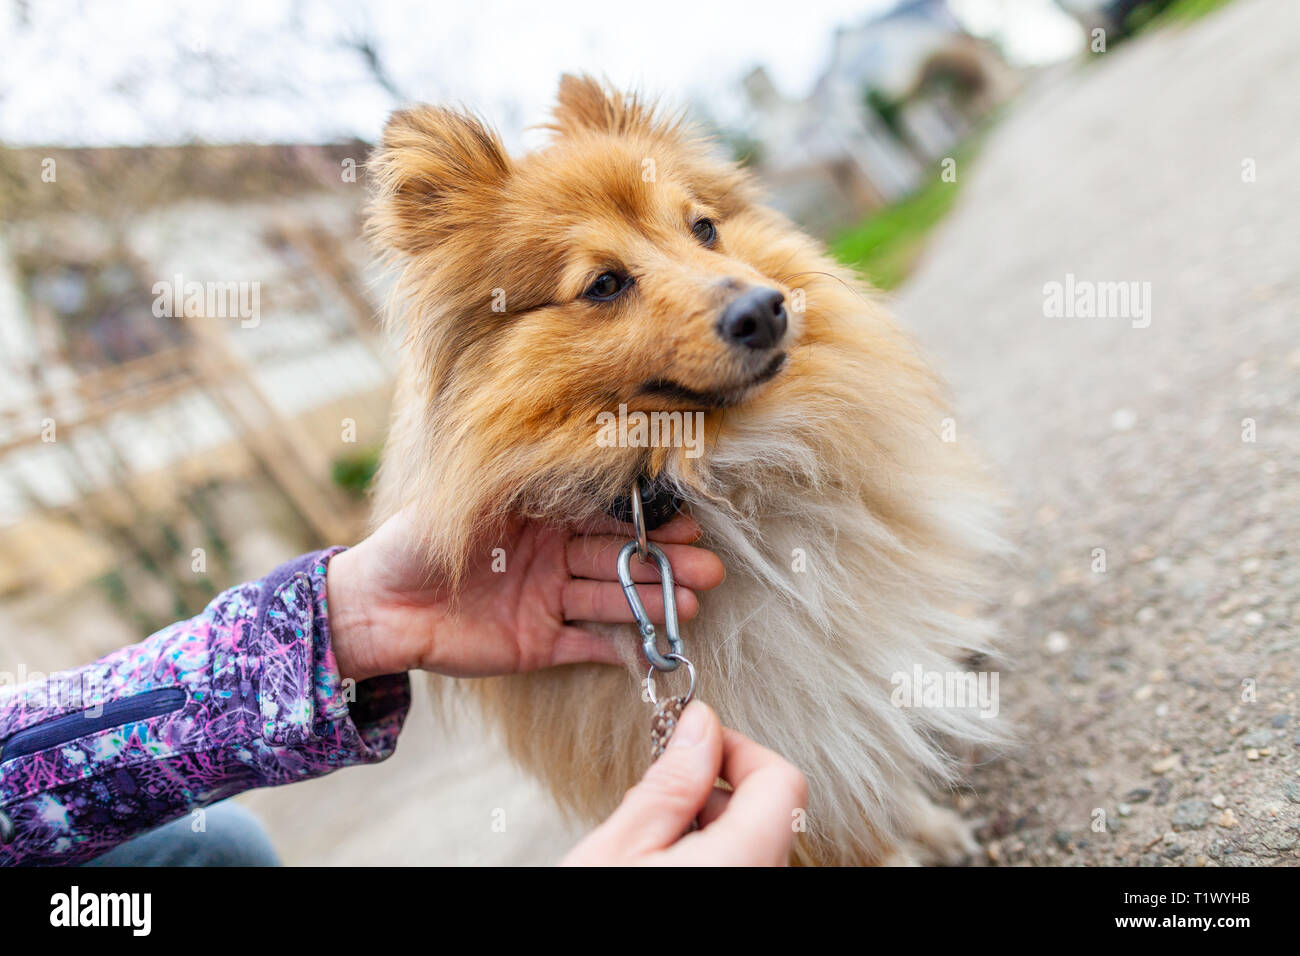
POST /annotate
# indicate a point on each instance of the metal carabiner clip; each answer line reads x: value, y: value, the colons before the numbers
x: 648, y: 634
x: 644, y: 549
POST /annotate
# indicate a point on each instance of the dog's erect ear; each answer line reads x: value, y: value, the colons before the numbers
x: 436, y: 170
x: 583, y: 103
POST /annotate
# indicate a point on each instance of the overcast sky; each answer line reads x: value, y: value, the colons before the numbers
x: 140, y: 71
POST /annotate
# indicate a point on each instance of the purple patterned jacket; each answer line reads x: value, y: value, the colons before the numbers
x: 246, y: 694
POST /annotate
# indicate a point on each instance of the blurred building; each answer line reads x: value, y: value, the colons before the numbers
x: 900, y: 91
x: 179, y: 326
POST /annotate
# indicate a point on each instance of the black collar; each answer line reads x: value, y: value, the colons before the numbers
x: 659, y: 502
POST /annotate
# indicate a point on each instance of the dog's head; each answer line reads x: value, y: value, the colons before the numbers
x: 623, y: 268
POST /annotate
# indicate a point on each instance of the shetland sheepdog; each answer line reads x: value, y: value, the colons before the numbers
x: 626, y: 264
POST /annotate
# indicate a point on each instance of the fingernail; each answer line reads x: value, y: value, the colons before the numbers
x: 692, y: 728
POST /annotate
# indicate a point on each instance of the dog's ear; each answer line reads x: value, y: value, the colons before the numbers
x: 583, y: 103
x: 436, y: 170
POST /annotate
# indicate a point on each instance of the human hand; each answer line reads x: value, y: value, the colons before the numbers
x: 388, y: 616
x: 749, y: 825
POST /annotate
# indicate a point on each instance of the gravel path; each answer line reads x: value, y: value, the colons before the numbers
x: 1157, y: 698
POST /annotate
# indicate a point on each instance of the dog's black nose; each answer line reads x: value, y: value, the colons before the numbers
x: 754, y: 319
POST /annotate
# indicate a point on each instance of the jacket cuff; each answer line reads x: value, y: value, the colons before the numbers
x: 302, y: 696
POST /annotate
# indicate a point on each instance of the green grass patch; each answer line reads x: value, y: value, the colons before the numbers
x: 1192, y: 9
x: 353, y: 473
x: 886, y: 245
x: 1179, y: 11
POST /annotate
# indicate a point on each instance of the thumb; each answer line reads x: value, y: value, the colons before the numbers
x: 657, y: 811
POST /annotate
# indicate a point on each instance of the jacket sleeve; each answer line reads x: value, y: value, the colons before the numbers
x: 247, y: 694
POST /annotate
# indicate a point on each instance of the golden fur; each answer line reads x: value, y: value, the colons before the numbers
x: 838, y: 458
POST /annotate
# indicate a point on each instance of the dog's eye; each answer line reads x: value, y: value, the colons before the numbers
x: 705, y: 231
x: 608, y: 285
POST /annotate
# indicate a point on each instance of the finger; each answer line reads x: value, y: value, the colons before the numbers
x: 683, y: 529
x: 577, y: 646
x: 743, y: 756
x: 759, y: 816
x: 658, y: 810
x: 604, y: 602
x: 597, y: 558
x: 714, y: 807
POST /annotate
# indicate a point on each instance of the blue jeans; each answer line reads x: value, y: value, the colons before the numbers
x: 230, y: 836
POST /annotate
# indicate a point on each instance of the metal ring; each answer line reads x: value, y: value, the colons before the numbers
x: 638, y: 522
x: 650, y: 684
